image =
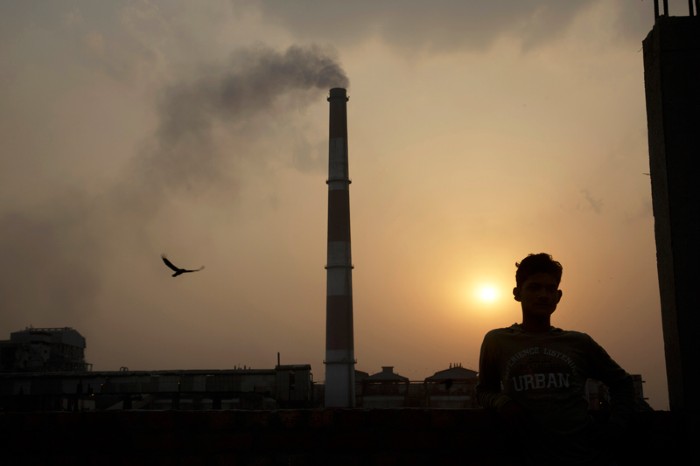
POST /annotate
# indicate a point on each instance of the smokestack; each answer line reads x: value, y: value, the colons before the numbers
x: 340, y: 352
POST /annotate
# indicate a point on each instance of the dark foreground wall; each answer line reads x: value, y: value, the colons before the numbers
x: 332, y: 437
x: 671, y: 77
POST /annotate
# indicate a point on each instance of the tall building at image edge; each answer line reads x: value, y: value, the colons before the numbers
x: 340, y: 354
x: 672, y: 90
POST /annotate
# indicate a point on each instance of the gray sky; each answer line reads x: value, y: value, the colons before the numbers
x: 478, y: 132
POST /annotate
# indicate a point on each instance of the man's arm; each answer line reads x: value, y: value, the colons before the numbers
x: 620, y: 384
x: 488, y: 390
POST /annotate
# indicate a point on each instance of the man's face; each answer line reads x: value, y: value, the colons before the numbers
x: 538, y: 295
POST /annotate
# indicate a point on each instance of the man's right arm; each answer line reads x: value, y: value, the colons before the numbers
x: 489, y: 392
x: 488, y: 389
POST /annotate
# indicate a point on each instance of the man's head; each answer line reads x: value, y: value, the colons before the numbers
x: 537, y: 287
x: 537, y: 263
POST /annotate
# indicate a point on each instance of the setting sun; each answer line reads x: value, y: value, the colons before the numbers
x: 482, y: 293
x: 487, y: 293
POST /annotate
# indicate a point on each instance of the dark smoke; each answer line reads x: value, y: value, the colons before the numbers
x: 255, y: 82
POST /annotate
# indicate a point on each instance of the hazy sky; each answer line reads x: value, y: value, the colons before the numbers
x: 479, y: 132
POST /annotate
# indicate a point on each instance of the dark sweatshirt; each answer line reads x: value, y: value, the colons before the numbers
x: 546, y: 374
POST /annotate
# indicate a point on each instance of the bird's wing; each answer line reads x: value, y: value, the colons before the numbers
x: 193, y: 270
x: 170, y: 264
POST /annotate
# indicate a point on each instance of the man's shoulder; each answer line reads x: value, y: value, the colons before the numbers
x: 554, y: 332
x: 575, y: 334
x: 503, y: 331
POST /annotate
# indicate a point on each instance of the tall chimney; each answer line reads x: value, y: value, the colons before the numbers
x: 340, y: 352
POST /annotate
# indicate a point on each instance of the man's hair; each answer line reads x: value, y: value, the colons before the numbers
x: 537, y: 263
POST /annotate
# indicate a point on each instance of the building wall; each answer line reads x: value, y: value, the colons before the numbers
x: 671, y: 77
x: 329, y: 437
x: 197, y: 389
x: 282, y: 387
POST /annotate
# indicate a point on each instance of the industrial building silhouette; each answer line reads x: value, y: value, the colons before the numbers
x: 44, y: 369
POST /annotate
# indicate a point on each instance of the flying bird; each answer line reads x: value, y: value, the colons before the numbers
x: 177, y: 270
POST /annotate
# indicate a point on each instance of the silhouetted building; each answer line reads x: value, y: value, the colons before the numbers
x: 43, y: 350
x: 285, y: 386
x: 385, y: 389
x: 671, y: 77
x: 454, y: 387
